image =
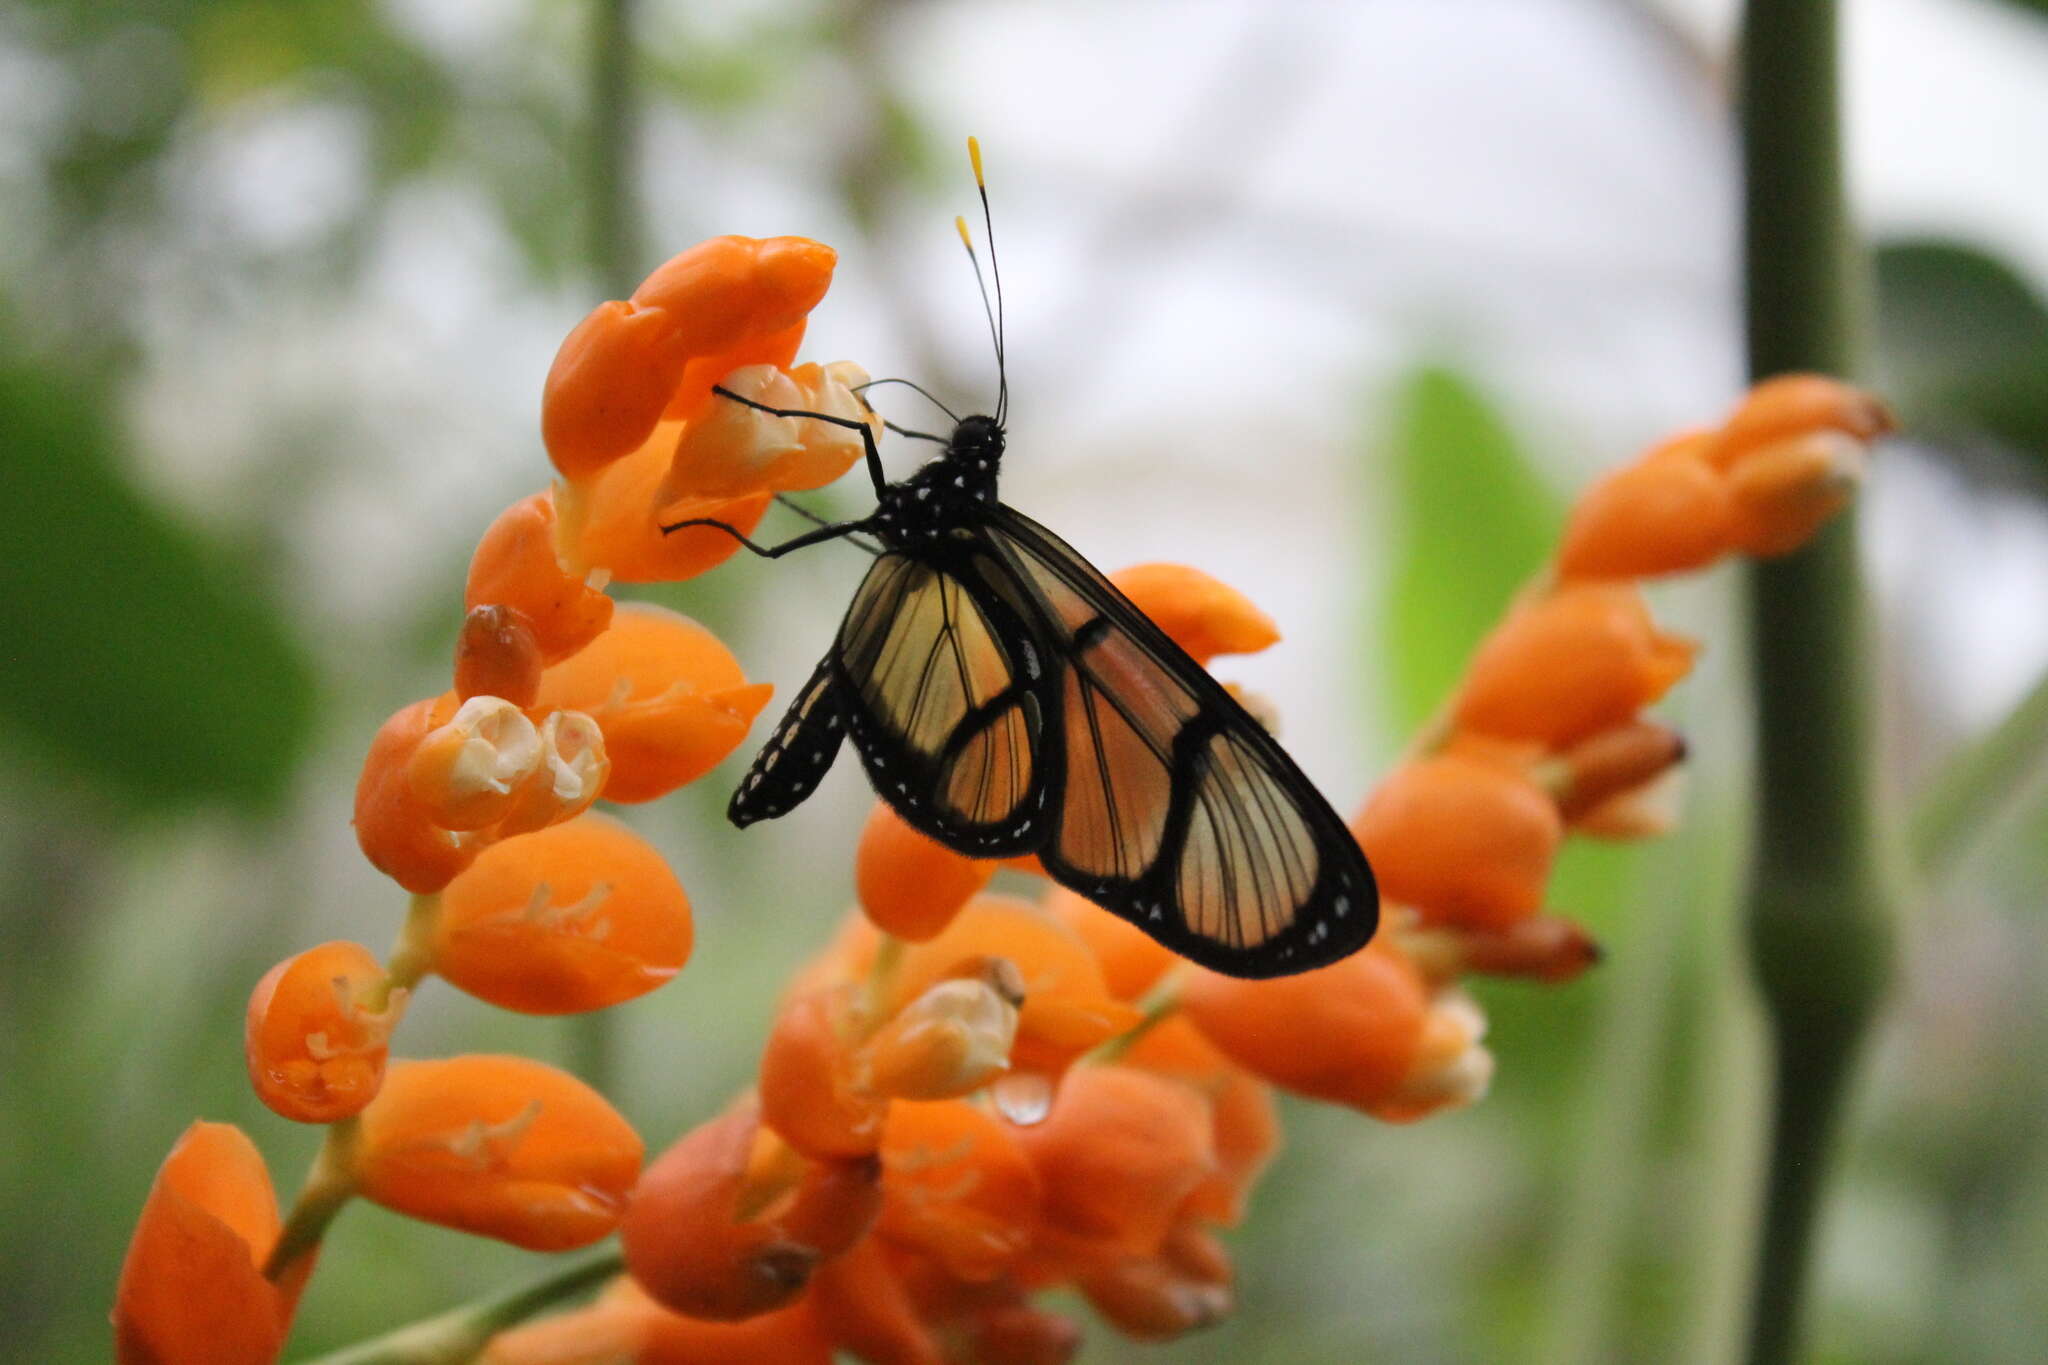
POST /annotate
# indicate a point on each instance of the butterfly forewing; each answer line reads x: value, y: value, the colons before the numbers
x: 944, y: 691
x: 1178, y: 811
x: 796, y: 757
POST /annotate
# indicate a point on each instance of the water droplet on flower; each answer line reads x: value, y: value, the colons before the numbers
x: 1022, y: 1097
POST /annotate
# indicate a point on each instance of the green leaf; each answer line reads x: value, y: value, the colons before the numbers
x: 1470, y: 522
x: 1964, y: 345
x: 132, y: 654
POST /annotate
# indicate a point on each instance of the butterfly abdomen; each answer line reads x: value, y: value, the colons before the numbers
x: 796, y: 757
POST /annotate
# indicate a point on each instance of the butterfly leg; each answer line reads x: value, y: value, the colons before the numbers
x: 831, y: 531
x: 870, y: 451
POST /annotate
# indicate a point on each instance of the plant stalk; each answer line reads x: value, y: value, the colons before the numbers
x: 1818, y: 911
x: 459, y: 1335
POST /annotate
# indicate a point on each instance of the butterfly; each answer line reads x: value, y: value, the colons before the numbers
x: 1006, y: 699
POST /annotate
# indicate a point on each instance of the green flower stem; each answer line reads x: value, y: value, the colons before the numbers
x: 614, y: 208
x: 412, y: 956
x: 459, y: 1335
x: 1978, y: 782
x: 1818, y: 910
x: 328, y: 1188
x: 1155, y: 1007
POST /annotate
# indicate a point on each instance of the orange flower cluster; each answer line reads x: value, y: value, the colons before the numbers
x: 969, y: 1097
x: 1546, y: 733
x: 478, y: 802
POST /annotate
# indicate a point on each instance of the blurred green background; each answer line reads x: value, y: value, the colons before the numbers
x: 1338, y: 303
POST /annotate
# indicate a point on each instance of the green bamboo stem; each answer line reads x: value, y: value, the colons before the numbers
x: 614, y: 203
x: 1818, y: 917
x: 459, y: 1335
x: 1977, y: 782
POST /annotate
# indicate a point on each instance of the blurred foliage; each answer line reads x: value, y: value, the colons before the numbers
x: 1964, y: 349
x: 1584, y: 1211
x: 1468, y: 522
x: 157, y: 670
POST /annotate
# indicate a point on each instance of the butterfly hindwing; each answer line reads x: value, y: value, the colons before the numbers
x: 945, y: 696
x: 797, y: 756
x: 1179, y: 811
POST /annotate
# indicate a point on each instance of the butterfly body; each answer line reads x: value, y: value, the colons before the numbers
x: 943, y: 497
x: 1005, y: 698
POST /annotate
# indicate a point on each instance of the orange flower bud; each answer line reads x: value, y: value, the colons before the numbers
x: 608, y: 385
x: 1067, y: 1006
x: 957, y: 1187
x: 1451, y: 1068
x: 706, y: 1238
x: 1646, y: 812
x: 516, y: 566
x: 950, y: 1041
x: 732, y: 449
x: 316, y: 1032
x: 693, y: 397
x: 573, y: 769
x: 1348, y: 1033
x: 909, y: 885
x: 1787, y: 491
x: 807, y: 1085
x: 622, y: 512
x: 1118, y: 1154
x: 1245, y: 1123
x: 500, y: 1146
x: 397, y: 832
x: 619, y: 370
x: 1596, y: 770
x: 1203, y: 615
x: 1669, y: 512
x: 1546, y: 948
x: 578, y: 917
x: 669, y: 697
x: 1187, y: 1286
x: 1581, y: 660
x: 1017, y: 1334
x: 626, y: 1327
x: 1789, y: 406
x: 865, y: 1309
x: 463, y: 773
x: 497, y: 655
x: 731, y: 293
x: 192, y: 1291
x: 1463, y: 840
x: 1132, y: 960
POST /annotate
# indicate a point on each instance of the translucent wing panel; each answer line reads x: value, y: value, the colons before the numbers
x: 949, y: 733
x: 1248, y: 863
x: 1121, y: 715
x: 931, y: 663
x: 990, y: 775
x: 1178, y: 811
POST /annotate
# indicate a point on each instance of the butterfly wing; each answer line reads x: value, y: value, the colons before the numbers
x: 942, y: 683
x: 1178, y: 811
x: 796, y: 757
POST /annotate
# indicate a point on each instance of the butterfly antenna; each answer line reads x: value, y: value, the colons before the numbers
x: 996, y: 271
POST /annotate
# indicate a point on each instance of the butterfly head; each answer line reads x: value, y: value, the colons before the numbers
x: 976, y: 449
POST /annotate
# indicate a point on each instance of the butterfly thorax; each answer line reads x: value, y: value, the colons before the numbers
x: 949, y: 493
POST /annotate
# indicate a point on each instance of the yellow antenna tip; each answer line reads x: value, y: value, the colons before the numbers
x: 960, y: 225
x: 974, y: 155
